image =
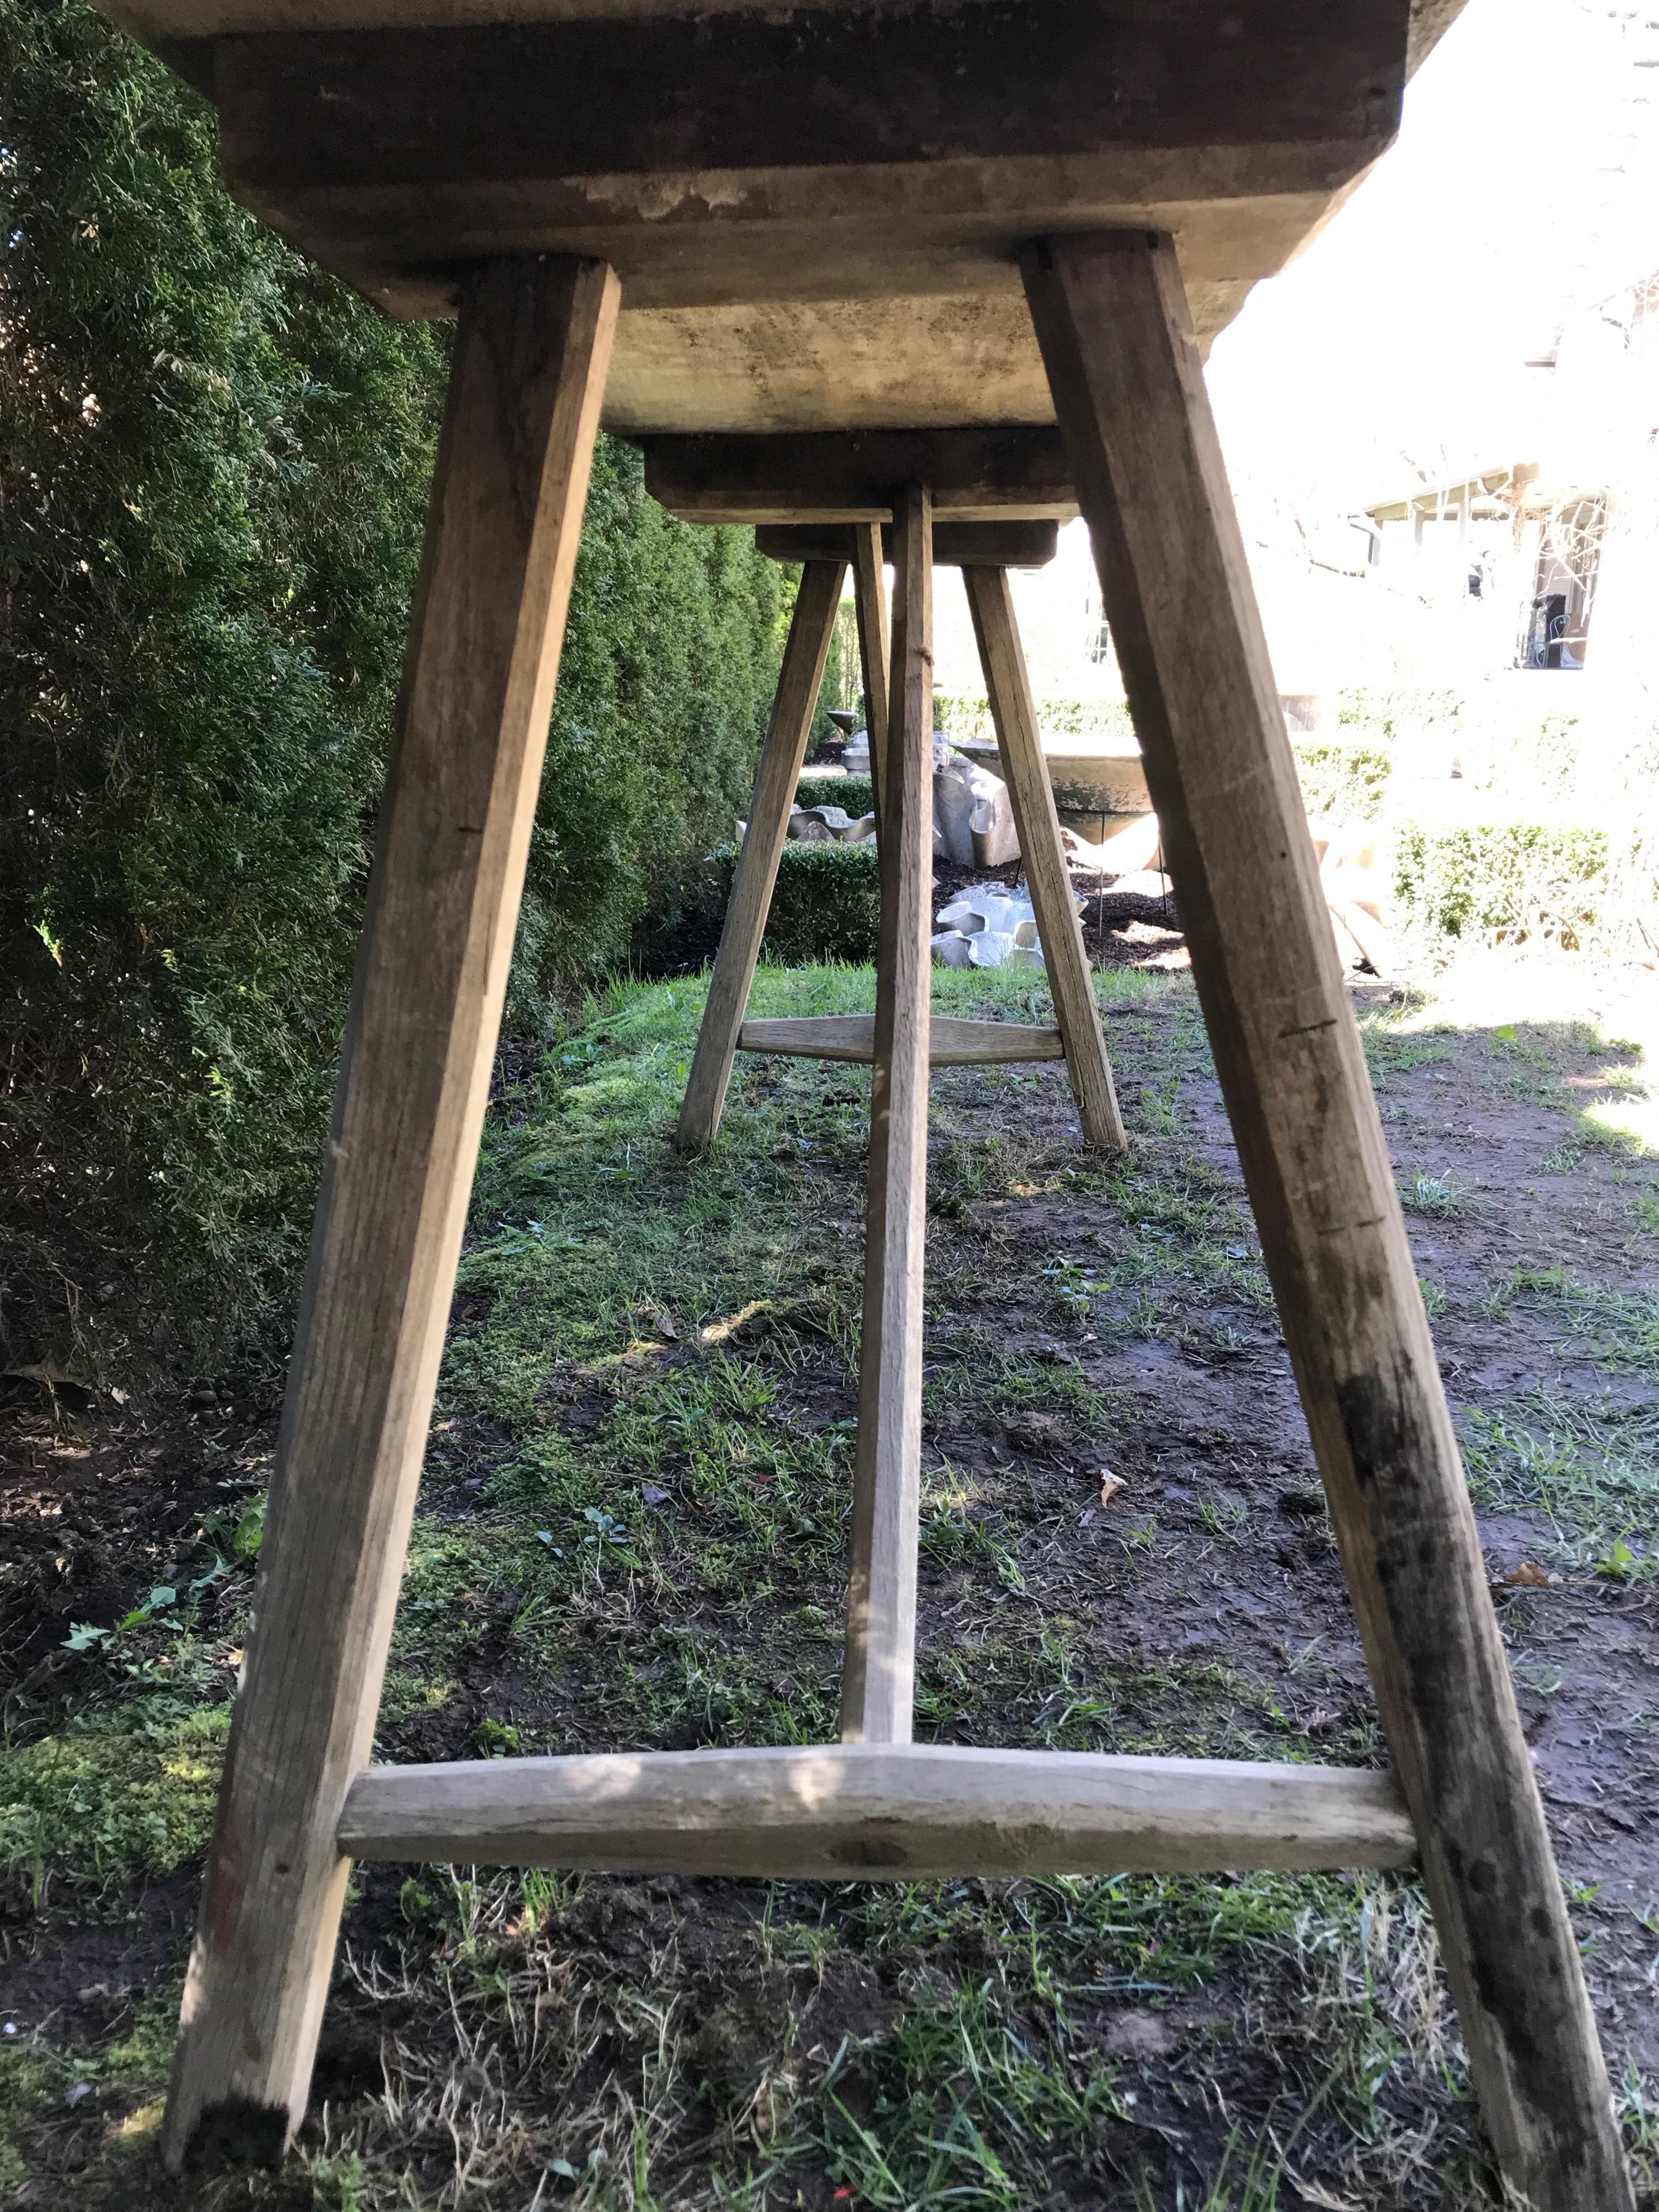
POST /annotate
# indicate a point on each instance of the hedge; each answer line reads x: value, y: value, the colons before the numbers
x: 857, y: 794
x: 1506, y: 879
x: 1093, y: 724
x: 1347, y: 781
x: 213, y: 469
x: 827, y: 904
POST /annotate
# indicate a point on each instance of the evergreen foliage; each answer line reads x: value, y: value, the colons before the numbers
x: 1501, y: 881
x: 856, y: 793
x: 826, y: 905
x: 213, y: 470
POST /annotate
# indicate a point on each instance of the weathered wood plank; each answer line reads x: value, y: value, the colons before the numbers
x: 905, y: 1812
x: 956, y: 544
x: 1031, y: 794
x: 953, y: 1042
x: 878, y: 1680
x: 875, y: 645
x: 685, y: 121
x: 848, y: 476
x: 1111, y: 318
x: 506, y: 512
x: 793, y: 709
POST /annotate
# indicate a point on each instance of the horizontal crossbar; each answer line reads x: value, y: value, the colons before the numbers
x: 1007, y: 473
x: 952, y: 1043
x: 956, y: 544
x: 903, y: 1811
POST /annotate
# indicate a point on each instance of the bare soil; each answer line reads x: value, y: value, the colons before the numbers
x: 1127, y: 1548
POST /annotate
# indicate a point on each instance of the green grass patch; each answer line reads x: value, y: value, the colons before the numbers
x: 110, y: 1799
x: 1441, y: 1196
x: 1617, y: 1329
x: 1592, y: 1467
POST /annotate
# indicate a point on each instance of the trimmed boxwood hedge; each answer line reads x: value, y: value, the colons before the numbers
x: 827, y: 904
x: 855, y: 793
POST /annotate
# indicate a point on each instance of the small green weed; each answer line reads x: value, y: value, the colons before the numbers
x: 1440, y: 1196
x: 110, y: 1798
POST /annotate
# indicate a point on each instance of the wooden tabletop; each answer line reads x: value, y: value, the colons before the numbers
x: 814, y: 209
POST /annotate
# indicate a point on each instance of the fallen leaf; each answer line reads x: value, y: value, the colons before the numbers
x: 1110, y: 1485
x: 1530, y: 1575
x: 653, y: 1493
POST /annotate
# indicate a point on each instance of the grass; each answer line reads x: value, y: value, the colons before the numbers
x: 1618, y: 1330
x: 633, y: 1533
x: 1440, y: 1196
x: 1592, y: 1467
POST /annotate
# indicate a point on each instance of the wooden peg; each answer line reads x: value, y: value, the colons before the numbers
x: 870, y: 587
x: 991, y: 603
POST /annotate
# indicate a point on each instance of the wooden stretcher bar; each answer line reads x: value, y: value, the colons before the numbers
x: 1017, y: 545
x: 902, y: 1812
x: 1015, y: 472
x: 952, y: 1042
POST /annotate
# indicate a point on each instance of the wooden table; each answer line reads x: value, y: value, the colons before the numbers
x: 862, y: 263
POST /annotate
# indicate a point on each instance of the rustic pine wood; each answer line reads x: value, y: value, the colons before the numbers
x: 1111, y: 319
x: 793, y: 709
x: 956, y: 544
x: 869, y: 605
x: 506, y: 512
x: 824, y: 155
x: 878, y: 1678
x: 952, y: 1043
x: 902, y: 1812
x: 991, y: 603
x: 1012, y: 472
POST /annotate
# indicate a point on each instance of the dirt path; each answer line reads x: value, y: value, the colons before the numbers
x: 633, y: 1535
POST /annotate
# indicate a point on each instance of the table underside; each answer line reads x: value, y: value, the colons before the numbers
x: 816, y: 210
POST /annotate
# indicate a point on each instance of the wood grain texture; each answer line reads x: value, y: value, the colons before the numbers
x: 506, y: 512
x: 861, y: 90
x: 1130, y: 392
x: 848, y: 476
x: 903, y: 1812
x: 807, y: 648
x: 952, y: 1042
x: 153, y: 20
x: 878, y: 1678
x: 1030, y: 792
x: 956, y: 544
x: 875, y: 643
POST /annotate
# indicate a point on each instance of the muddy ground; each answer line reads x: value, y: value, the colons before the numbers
x: 633, y: 1534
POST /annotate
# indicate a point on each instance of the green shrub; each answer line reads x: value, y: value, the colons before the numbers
x: 213, y: 472
x: 1347, y: 781
x: 1505, y: 880
x: 212, y: 462
x: 827, y: 905
x: 670, y: 662
x: 855, y: 793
